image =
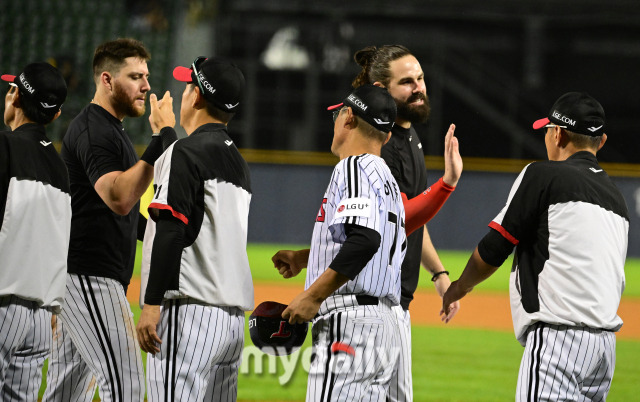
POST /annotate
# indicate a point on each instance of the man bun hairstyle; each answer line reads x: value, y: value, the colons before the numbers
x: 375, y: 63
x: 110, y: 56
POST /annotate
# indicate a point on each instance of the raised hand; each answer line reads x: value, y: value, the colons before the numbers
x: 452, y: 158
x: 161, y: 112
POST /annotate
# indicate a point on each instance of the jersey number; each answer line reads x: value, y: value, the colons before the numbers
x: 320, y: 217
x: 393, y: 218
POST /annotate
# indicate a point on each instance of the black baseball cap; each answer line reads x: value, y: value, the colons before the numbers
x: 41, y: 85
x: 271, y: 333
x: 220, y: 81
x: 373, y: 104
x: 578, y: 111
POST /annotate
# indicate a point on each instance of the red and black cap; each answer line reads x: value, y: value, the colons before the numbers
x: 220, y: 81
x: 373, y: 104
x: 578, y: 111
x: 40, y: 85
x: 271, y: 333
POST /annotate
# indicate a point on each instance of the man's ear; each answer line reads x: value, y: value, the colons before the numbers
x: 350, y: 120
x: 387, y: 139
x: 198, y: 101
x: 106, y: 80
x: 16, y: 102
x: 378, y: 84
x: 56, y: 116
x: 602, y: 141
x: 561, y: 138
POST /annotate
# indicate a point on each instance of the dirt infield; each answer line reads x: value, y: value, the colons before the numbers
x: 478, y: 310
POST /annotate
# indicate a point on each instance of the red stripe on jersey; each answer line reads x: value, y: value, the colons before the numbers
x: 175, y: 214
x: 504, y: 233
x: 342, y: 347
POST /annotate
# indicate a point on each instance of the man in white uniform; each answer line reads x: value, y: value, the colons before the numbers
x: 353, y: 275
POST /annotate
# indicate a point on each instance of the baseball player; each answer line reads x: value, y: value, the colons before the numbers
x: 395, y: 68
x: 569, y: 224
x: 353, y: 266
x: 35, y: 211
x: 195, y: 247
x: 95, y: 339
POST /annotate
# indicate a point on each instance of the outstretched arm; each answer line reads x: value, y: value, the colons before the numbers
x: 431, y: 262
x: 476, y: 271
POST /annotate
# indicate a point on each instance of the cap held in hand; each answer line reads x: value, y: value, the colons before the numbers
x: 271, y: 333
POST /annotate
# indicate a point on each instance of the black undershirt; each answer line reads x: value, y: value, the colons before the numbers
x: 357, y: 250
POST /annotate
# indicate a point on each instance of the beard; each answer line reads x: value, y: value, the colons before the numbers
x: 124, y: 104
x: 414, y: 113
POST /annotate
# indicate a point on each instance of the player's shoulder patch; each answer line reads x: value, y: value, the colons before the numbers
x: 356, y: 206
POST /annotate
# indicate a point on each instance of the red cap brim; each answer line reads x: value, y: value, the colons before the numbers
x: 182, y: 74
x: 8, y: 78
x: 334, y: 107
x: 540, y: 123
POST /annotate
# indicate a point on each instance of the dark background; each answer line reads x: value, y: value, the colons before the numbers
x: 491, y: 67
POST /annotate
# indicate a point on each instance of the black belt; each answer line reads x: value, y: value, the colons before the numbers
x: 366, y: 300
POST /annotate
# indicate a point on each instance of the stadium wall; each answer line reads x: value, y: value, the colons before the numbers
x: 287, y: 192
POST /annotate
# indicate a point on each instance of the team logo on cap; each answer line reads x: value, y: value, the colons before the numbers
x: 563, y: 118
x: 356, y: 101
x: 378, y: 121
x: 206, y: 84
x: 26, y: 84
x: 594, y: 129
x: 282, y: 331
x: 46, y: 105
x: 230, y: 106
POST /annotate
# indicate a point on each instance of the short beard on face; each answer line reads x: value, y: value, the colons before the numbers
x: 124, y: 104
x: 414, y: 114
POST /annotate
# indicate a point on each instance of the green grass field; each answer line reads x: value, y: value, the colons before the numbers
x: 449, y: 364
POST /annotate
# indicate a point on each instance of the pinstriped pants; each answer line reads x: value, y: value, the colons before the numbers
x: 562, y: 363
x: 355, y: 350
x: 200, y: 354
x: 25, y: 341
x: 401, y: 385
x: 97, y: 327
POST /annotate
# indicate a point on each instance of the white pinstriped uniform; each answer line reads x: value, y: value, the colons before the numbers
x: 26, y: 332
x: 222, y: 344
x: 104, y: 315
x: 582, y: 361
x: 355, y: 345
x: 401, y: 386
x: 66, y: 368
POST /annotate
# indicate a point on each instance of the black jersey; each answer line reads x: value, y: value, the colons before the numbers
x: 405, y: 158
x: 569, y: 224
x: 204, y: 182
x: 35, y: 213
x: 103, y: 243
